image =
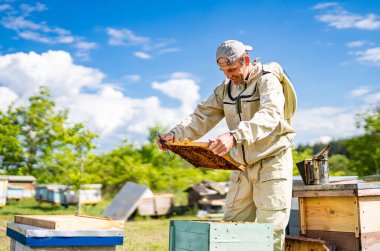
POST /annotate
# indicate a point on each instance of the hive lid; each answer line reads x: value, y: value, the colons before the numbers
x: 199, y: 155
x: 68, y: 222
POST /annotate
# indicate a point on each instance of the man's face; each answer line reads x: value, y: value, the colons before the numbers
x: 236, y: 72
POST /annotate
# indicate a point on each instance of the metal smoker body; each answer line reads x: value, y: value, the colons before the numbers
x: 315, y: 171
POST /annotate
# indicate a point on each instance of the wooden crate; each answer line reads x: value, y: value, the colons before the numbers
x: 296, y: 243
x: 199, y: 155
x: 69, y: 222
x: 346, y: 213
x: 158, y: 204
x: 221, y: 236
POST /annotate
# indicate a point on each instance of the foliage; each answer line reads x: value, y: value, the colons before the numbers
x: 365, y: 149
x: 336, y: 147
x: 300, y: 156
x: 339, y: 166
x: 37, y: 140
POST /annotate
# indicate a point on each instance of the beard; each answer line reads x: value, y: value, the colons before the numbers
x: 237, y: 80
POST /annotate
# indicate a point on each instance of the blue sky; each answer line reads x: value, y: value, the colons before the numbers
x: 121, y: 66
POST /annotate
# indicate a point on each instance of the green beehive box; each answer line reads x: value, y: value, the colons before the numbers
x: 220, y: 236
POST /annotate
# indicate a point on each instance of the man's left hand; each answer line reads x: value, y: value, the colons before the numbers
x: 222, y: 144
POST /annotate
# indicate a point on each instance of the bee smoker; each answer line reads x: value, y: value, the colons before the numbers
x: 315, y: 171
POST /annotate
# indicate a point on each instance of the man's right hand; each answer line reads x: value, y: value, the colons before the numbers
x: 166, y: 137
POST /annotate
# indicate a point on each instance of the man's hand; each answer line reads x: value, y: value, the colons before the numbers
x: 222, y: 144
x: 166, y: 137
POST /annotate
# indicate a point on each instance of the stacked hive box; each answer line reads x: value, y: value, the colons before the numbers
x: 217, y: 235
x: 345, y: 212
x: 65, y: 232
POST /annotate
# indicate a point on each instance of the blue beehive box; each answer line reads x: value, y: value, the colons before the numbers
x: 26, y: 237
x: 220, y: 236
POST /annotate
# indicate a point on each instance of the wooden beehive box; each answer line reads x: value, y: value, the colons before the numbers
x: 199, y: 155
x: 68, y: 222
x: 346, y: 213
x: 219, y: 235
x: 157, y: 204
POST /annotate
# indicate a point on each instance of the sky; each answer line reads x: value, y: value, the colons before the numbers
x: 122, y: 66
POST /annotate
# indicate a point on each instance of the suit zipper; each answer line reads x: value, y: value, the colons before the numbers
x: 242, y: 146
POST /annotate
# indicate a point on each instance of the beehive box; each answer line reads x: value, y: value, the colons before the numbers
x: 3, y: 192
x: 64, y: 233
x: 345, y: 212
x: 221, y: 236
x: 15, y: 192
x: 158, y: 204
x: 199, y: 155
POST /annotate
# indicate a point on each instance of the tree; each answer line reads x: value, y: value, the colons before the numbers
x: 43, y: 143
x: 10, y: 146
x: 339, y: 165
x: 364, y: 150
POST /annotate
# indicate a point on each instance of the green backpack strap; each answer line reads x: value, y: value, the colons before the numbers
x: 287, y: 86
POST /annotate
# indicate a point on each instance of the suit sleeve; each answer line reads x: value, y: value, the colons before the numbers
x: 206, y: 115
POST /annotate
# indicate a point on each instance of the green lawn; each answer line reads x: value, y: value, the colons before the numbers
x: 140, y: 234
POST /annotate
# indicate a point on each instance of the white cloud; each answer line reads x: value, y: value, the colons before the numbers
x: 83, y: 49
x: 27, y: 9
x: 341, y: 19
x: 168, y: 50
x: 371, y: 55
x: 360, y: 91
x: 183, y: 89
x: 6, y: 97
x: 322, y: 139
x: 132, y: 78
x: 24, y: 72
x: 108, y: 91
x: 181, y: 74
x: 19, y: 21
x: 142, y: 55
x: 334, y: 122
x: 321, y: 6
x: 373, y: 99
x: 354, y: 44
x: 105, y: 110
x: 125, y: 37
x: 4, y: 7
x: 86, y: 45
x: 38, y: 32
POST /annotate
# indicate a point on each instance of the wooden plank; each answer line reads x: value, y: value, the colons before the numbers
x: 301, y: 203
x: 330, y: 214
x: 369, y: 214
x: 220, y: 235
x: 332, y: 193
x: 343, y: 241
x: 297, y: 243
x: 68, y: 222
x: 356, y: 217
x: 368, y: 192
x: 375, y: 177
x: 199, y: 155
x: 344, y: 185
x: 231, y: 232
x: 370, y: 241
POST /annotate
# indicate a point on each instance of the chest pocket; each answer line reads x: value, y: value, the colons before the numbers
x: 242, y: 105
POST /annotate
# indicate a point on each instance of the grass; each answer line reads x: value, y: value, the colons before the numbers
x: 141, y: 234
